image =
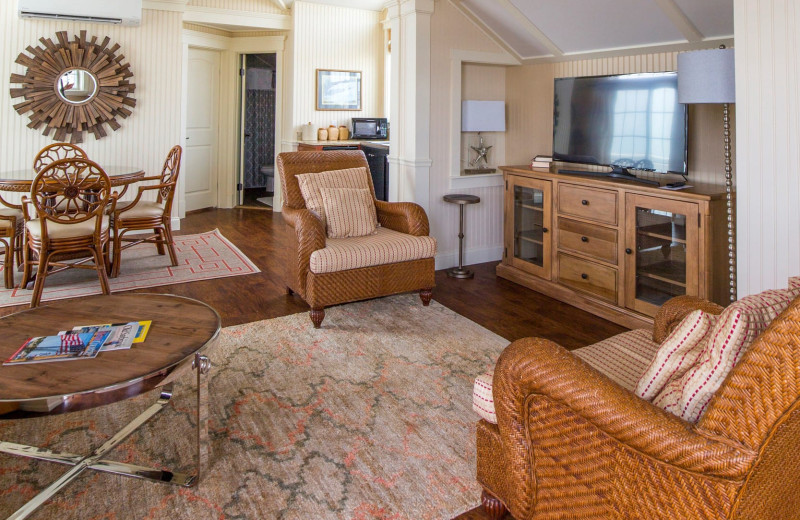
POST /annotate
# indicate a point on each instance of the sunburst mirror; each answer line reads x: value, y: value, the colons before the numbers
x: 71, y: 87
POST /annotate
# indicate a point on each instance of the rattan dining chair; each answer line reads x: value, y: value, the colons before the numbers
x: 70, y: 197
x: 54, y: 152
x: 139, y: 215
x: 11, y: 224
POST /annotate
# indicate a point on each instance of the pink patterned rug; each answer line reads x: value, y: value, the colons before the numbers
x: 368, y: 418
x: 200, y: 257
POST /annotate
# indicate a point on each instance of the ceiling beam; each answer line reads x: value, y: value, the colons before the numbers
x: 488, y: 31
x: 282, y: 3
x: 532, y: 29
x: 680, y: 20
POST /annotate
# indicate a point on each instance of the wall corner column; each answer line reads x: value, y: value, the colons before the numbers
x: 409, y: 111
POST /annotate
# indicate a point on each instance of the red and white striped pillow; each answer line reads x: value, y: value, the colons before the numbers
x: 736, y: 328
x: 350, y: 212
x: 311, y: 184
x: 677, y: 354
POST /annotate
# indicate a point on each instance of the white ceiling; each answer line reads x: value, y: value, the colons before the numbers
x: 563, y: 29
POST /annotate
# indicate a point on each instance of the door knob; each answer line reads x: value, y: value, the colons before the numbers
x: 544, y: 230
x: 584, y: 239
x: 585, y: 202
x: 628, y: 251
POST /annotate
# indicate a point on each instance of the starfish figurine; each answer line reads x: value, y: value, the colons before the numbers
x: 482, y: 152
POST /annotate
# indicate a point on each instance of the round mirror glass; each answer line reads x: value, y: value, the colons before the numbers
x: 76, y: 86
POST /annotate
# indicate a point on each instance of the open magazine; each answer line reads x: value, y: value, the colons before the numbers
x: 82, y: 342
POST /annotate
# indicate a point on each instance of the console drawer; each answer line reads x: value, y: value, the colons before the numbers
x: 589, y: 203
x: 588, y: 239
x: 588, y: 277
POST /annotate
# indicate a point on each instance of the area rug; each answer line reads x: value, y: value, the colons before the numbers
x: 200, y: 257
x: 368, y: 417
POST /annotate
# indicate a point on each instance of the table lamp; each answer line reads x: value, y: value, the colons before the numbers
x: 482, y: 116
x: 709, y: 77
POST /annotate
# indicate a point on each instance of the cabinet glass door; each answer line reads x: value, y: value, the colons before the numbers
x: 664, y: 242
x: 530, y: 237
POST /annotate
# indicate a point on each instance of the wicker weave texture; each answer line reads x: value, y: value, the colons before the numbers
x: 327, y: 289
x: 570, y: 443
x: 321, y: 290
x: 675, y: 310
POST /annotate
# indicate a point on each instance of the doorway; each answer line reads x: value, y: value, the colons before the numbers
x: 202, y: 123
x: 257, y: 162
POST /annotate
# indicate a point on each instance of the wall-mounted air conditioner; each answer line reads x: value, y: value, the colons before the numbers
x: 125, y: 12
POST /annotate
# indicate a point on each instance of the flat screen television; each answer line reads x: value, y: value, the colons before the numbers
x: 627, y: 122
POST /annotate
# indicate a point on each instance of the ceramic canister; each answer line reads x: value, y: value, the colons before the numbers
x: 322, y: 134
x: 308, y: 132
x: 344, y: 133
x: 333, y: 133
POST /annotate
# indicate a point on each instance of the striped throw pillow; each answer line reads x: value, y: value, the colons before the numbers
x: 350, y: 212
x: 734, y: 332
x: 677, y: 354
x: 311, y: 184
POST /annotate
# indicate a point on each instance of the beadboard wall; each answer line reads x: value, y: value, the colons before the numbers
x: 450, y: 30
x: 256, y: 6
x: 768, y: 108
x: 154, y: 51
x: 530, y: 95
x: 319, y: 41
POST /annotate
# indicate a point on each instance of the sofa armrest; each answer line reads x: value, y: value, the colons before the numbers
x: 545, y: 396
x: 308, y: 236
x: 675, y: 310
x: 405, y: 217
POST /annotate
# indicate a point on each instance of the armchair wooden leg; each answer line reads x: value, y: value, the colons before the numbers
x: 116, y: 245
x: 160, y: 240
x: 492, y: 506
x: 170, y: 243
x: 317, y: 315
x: 26, y: 267
x: 425, y: 295
x: 41, y: 274
x: 100, y: 265
x: 8, y: 266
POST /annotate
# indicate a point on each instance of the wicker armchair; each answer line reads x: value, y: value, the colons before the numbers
x: 307, y: 235
x: 571, y: 443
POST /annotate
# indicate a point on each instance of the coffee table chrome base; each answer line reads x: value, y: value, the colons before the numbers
x: 94, y: 461
x: 460, y: 272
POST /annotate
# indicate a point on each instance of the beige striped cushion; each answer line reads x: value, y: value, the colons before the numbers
x: 311, y: 184
x: 736, y: 328
x: 384, y: 247
x: 623, y: 358
x: 350, y: 212
x: 678, y: 353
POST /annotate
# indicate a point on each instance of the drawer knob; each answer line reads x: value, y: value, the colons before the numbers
x: 584, y: 239
x: 585, y: 202
x: 628, y: 251
x: 545, y: 230
x: 584, y: 276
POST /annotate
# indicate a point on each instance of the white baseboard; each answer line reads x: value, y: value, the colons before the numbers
x: 471, y: 256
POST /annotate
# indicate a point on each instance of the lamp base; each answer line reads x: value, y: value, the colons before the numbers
x: 476, y: 171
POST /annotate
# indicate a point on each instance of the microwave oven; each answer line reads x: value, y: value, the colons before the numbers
x: 370, y: 128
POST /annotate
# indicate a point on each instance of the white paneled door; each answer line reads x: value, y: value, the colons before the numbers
x: 201, y: 129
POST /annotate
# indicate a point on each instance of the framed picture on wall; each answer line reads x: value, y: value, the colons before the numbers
x: 338, y: 89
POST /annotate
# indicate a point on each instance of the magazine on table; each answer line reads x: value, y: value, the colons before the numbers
x: 82, y: 342
x: 63, y: 347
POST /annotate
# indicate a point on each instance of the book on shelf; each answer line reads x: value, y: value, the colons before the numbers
x: 62, y: 347
x: 541, y: 161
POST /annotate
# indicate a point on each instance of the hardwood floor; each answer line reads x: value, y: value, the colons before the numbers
x: 503, y: 307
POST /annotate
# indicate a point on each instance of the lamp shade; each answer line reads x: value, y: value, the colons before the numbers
x: 706, y: 77
x: 483, y: 116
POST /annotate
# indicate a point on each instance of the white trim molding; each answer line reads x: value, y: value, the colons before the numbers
x: 165, y: 5
x: 244, y: 19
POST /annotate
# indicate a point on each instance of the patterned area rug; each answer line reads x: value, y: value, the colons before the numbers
x: 367, y: 418
x: 200, y: 257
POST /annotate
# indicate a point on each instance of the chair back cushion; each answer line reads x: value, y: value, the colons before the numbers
x: 677, y: 354
x: 736, y: 329
x: 311, y: 185
x: 349, y: 212
x: 291, y: 164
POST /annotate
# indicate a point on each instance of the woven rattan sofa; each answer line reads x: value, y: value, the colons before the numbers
x: 571, y: 443
x: 307, y: 236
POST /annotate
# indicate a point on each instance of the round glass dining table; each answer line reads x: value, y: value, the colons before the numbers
x: 20, y: 180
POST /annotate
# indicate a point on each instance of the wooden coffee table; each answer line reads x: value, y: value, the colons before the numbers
x: 182, y: 329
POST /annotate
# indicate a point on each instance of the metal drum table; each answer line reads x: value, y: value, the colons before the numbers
x: 462, y: 200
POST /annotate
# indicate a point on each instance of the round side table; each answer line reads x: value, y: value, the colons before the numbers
x: 462, y: 200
